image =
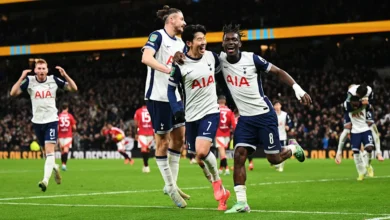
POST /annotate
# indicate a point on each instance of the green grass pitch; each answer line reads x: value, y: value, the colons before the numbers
x: 108, y: 189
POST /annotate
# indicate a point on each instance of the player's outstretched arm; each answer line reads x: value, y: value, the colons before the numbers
x: 16, y: 88
x: 284, y: 77
x: 149, y: 60
x: 71, y: 86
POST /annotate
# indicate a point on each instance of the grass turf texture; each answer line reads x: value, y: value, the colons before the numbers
x: 108, y: 189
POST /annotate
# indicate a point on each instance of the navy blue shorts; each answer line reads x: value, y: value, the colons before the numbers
x: 163, y: 120
x: 259, y: 130
x: 364, y: 138
x: 46, y: 133
x: 205, y: 128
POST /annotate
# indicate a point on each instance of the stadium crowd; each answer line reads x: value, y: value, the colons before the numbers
x: 116, y: 19
x: 111, y: 88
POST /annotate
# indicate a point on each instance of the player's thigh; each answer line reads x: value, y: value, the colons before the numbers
x: 161, y: 116
x: 51, y: 134
x: 207, y: 130
x: 356, y: 141
x: 120, y: 145
x: 367, y: 139
x: 269, y: 133
x: 245, y: 134
x: 222, y: 142
x: 191, y: 133
x: 39, y: 131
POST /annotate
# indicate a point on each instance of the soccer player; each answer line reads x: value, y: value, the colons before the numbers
x: 258, y: 121
x: 227, y: 123
x: 118, y: 136
x: 365, y: 94
x: 257, y: 124
x: 145, y: 134
x: 42, y: 90
x: 201, y: 111
x: 66, y: 124
x: 158, y: 55
x: 284, y: 125
x: 361, y: 134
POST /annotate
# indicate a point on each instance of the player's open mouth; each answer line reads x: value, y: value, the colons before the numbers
x: 230, y: 49
x: 202, y: 48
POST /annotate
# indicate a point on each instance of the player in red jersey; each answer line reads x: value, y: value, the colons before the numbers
x: 145, y: 134
x: 227, y: 123
x: 66, y: 125
x: 118, y: 136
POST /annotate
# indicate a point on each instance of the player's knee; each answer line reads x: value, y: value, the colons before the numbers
x: 274, y: 158
x: 240, y: 154
x: 369, y: 149
x: 162, y: 140
x: 49, y: 148
x: 177, y: 143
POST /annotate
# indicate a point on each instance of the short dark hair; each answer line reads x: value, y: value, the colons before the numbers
x: 221, y: 97
x: 230, y: 28
x: 64, y: 106
x: 190, y: 31
x: 165, y: 12
x: 277, y: 101
x: 362, y: 90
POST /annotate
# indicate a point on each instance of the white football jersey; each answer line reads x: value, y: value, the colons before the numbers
x: 165, y: 47
x: 283, y: 121
x: 198, y: 79
x: 244, y: 83
x: 43, y: 98
x: 359, y: 120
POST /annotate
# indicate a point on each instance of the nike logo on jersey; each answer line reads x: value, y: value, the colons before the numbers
x: 206, y: 133
x: 225, y: 67
x: 168, y: 46
x: 270, y: 147
x: 189, y: 72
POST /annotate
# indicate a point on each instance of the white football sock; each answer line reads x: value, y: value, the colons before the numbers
x: 49, y: 165
x: 366, y: 158
x: 174, y: 159
x: 343, y: 137
x: 165, y: 171
x: 292, y: 147
x: 240, y: 193
x: 360, y: 164
x: 211, y: 164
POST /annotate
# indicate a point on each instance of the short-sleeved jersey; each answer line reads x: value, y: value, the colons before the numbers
x: 227, y: 121
x: 43, y: 97
x: 165, y: 47
x: 65, y: 124
x: 197, y: 76
x: 352, y: 92
x: 283, y: 121
x: 244, y: 83
x: 144, y: 122
x: 360, y: 118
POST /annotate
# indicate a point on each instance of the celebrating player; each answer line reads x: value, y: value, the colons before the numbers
x: 201, y: 111
x: 118, y: 136
x: 284, y: 125
x: 158, y: 56
x: 145, y: 133
x: 366, y: 96
x: 66, y: 124
x: 42, y: 90
x: 227, y: 123
x: 361, y: 134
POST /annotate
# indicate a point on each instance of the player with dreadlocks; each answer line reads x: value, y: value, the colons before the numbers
x: 258, y: 124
